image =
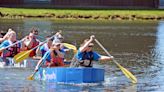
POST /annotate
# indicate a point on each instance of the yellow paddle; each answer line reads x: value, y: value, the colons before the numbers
x: 70, y: 46
x: 22, y: 55
x: 25, y: 54
x: 125, y: 71
x: 31, y: 77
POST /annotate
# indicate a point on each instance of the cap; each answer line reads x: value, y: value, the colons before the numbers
x: 56, y: 42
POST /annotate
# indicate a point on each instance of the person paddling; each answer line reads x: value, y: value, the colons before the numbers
x: 11, y: 51
x: 85, y: 55
x: 53, y: 57
x: 29, y: 43
x: 45, y: 47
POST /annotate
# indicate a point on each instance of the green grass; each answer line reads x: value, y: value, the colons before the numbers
x: 76, y: 12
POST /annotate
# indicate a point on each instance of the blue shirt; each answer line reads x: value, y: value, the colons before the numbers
x: 44, y: 48
x: 79, y: 55
x: 7, y: 43
x: 4, y: 44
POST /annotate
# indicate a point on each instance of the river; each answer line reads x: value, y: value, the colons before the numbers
x: 137, y: 45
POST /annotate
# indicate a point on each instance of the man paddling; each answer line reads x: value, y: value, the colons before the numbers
x: 85, y: 55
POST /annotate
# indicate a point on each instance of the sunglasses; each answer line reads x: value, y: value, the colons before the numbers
x: 90, y: 46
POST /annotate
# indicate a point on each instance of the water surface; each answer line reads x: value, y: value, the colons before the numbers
x: 136, y: 45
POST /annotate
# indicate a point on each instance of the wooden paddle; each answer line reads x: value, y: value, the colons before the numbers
x: 125, y: 71
x: 25, y: 54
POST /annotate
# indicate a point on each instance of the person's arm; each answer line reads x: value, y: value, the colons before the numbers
x: 60, y: 54
x: 106, y: 57
x: 38, y: 64
x: 43, y: 59
x: 5, y: 37
x: 84, y: 47
x: 98, y: 57
x: 29, y: 43
x: 40, y: 48
x: 3, y: 45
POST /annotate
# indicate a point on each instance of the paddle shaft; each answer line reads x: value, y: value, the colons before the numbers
x: 39, y: 66
x: 105, y: 50
x: 13, y: 44
x: 125, y: 71
x: 41, y: 44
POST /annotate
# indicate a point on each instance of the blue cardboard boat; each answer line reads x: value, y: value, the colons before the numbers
x: 71, y: 75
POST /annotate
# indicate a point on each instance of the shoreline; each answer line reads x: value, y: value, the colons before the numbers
x: 110, y: 17
x: 20, y: 13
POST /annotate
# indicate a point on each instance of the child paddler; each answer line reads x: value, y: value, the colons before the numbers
x: 85, y: 55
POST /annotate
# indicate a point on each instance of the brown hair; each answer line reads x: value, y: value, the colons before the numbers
x: 33, y: 29
x: 84, y: 42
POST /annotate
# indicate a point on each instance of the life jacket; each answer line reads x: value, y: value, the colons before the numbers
x: 12, y: 51
x: 57, y: 61
x: 87, y: 59
x: 34, y: 44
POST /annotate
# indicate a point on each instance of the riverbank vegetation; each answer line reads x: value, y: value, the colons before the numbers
x: 82, y: 14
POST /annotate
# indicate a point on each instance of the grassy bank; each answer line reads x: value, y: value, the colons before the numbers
x: 82, y: 14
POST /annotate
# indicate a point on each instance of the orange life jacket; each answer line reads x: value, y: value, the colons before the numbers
x: 12, y: 51
x: 57, y: 61
x: 34, y: 44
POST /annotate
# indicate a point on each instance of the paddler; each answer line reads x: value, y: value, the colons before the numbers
x: 53, y: 57
x: 85, y: 55
x: 10, y: 51
x: 45, y: 47
x: 31, y: 42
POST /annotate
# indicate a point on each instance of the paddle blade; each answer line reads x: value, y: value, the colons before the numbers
x: 70, y: 46
x: 128, y: 74
x: 30, y: 77
x: 21, y: 56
